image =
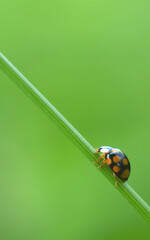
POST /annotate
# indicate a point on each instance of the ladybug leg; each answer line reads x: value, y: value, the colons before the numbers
x: 97, y: 151
x: 116, y: 184
x: 102, y: 156
x: 97, y: 160
x: 103, y: 162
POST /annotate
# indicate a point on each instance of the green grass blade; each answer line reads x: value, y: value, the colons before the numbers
x: 136, y: 201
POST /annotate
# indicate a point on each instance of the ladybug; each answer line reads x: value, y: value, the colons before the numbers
x: 116, y: 160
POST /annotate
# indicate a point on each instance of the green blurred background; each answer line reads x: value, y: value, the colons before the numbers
x: 91, y: 59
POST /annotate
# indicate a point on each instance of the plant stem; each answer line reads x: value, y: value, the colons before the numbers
x: 136, y: 201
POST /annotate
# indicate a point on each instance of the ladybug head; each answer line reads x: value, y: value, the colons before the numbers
x: 105, y: 149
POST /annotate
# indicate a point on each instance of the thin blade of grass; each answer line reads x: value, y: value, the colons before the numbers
x: 136, y: 201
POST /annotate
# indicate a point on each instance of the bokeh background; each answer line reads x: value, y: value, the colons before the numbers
x: 91, y: 59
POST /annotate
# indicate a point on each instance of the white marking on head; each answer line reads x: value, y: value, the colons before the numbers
x: 105, y: 149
